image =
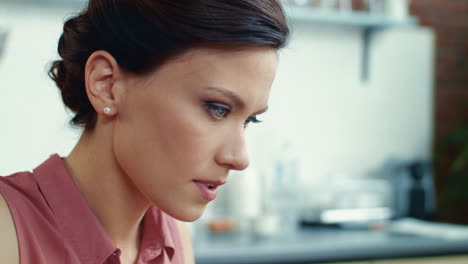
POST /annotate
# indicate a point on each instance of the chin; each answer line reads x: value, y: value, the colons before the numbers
x: 188, y: 214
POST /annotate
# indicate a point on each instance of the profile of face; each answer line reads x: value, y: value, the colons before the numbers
x: 180, y: 129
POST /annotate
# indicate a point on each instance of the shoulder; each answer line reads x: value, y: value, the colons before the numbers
x: 20, y: 192
x: 17, y: 184
x: 9, y: 252
x: 21, y: 212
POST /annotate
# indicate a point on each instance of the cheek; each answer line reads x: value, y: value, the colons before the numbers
x: 186, y: 139
x: 157, y: 140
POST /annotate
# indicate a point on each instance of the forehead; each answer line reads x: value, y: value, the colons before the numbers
x: 253, y: 60
x: 234, y: 54
x: 248, y: 73
x: 245, y: 67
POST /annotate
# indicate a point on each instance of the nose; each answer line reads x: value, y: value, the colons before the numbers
x: 233, y: 153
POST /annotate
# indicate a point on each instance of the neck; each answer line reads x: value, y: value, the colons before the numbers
x: 111, y: 195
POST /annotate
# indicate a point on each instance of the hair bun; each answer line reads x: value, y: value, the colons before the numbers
x: 68, y: 73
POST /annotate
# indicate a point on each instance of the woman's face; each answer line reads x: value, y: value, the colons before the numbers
x: 180, y: 129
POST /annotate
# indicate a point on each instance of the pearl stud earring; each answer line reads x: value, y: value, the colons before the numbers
x: 107, y: 110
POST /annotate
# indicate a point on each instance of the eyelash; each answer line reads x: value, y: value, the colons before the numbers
x: 214, y: 108
x: 251, y: 119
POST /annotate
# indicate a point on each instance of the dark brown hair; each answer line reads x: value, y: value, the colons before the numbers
x: 143, y: 34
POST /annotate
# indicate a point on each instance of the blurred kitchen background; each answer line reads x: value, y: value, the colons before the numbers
x: 366, y: 135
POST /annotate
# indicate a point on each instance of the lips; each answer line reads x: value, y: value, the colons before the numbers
x: 208, y: 189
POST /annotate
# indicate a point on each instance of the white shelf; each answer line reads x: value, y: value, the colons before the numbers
x: 354, y: 18
x: 365, y: 20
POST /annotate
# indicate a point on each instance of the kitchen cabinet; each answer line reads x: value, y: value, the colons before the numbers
x: 430, y: 260
x: 327, y: 245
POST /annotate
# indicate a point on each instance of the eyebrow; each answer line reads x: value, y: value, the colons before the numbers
x: 235, y: 98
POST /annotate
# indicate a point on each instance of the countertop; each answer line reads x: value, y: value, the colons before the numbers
x: 320, y: 245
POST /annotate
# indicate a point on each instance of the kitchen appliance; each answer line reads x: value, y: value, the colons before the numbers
x: 413, y: 188
x: 347, y: 201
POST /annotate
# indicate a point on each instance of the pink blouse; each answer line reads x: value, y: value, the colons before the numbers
x: 55, y: 225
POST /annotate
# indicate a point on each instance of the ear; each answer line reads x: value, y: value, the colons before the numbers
x: 101, y: 73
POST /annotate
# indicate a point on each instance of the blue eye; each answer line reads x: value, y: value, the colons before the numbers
x: 252, y: 119
x: 218, y: 111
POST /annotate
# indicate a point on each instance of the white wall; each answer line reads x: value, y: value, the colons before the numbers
x: 340, y: 124
x: 33, y: 121
x: 319, y: 104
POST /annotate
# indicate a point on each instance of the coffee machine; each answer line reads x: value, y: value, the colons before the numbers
x: 413, y: 189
